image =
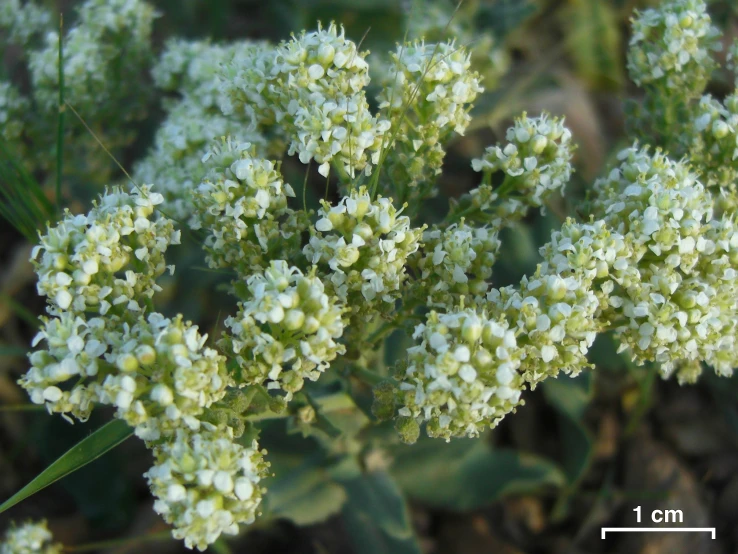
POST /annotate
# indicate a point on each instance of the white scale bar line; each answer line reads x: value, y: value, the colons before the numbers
x: 710, y: 530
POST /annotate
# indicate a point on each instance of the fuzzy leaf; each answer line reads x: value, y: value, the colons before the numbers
x: 468, y: 474
x: 570, y: 397
x: 376, y: 516
x: 305, y: 495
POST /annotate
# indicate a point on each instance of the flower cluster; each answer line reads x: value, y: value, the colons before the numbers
x: 242, y: 204
x: 456, y: 261
x: 103, y: 58
x: 363, y: 246
x: 286, y: 330
x: 165, y: 376
x: 714, y: 149
x: 190, y: 68
x: 12, y: 108
x: 658, y: 205
x: 206, y: 485
x: 313, y: 87
x: 596, y: 255
x: 23, y: 20
x: 248, y: 89
x: 107, y: 259
x: 174, y: 161
x: 554, y: 319
x: 29, y: 538
x: 656, y: 261
x: 436, y: 80
x: 98, y: 271
x: 535, y: 162
x: 194, y: 122
x: 463, y: 377
x: 718, y: 271
x: 322, y: 77
x: 74, y: 350
x: 671, y: 47
x: 438, y: 21
x: 680, y: 309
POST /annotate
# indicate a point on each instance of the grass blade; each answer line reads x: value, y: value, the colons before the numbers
x: 60, y: 120
x: 95, y: 445
x: 22, y: 201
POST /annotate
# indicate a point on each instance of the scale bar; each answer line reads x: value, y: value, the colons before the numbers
x: 710, y: 530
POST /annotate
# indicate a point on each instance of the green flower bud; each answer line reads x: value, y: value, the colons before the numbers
x: 408, y: 429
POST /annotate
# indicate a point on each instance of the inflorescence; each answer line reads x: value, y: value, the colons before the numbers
x: 655, y: 261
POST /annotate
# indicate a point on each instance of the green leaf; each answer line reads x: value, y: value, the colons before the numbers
x: 593, y: 41
x: 570, y: 397
x: 7, y: 351
x: 102, y: 492
x: 95, y: 445
x: 724, y: 391
x: 504, y: 16
x: 306, y: 494
x: 376, y: 516
x: 468, y: 474
x: 22, y: 200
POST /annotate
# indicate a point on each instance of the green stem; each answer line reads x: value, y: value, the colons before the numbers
x: 368, y: 377
x: 152, y: 537
x: 60, y: 119
x: 644, y: 400
x: 22, y: 408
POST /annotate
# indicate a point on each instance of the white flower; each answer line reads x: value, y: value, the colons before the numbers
x: 242, y: 203
x: 86, y: 262
x: 29, y: 538
x: 206, y: 485
x: 671, y: 47
x: 463, y: 376
x: 365, y: 246
x: 456, y: 261
x: 535, y: 162
x: 286, y: 330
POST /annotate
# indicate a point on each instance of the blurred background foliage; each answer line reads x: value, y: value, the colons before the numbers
x: 579, y: 455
